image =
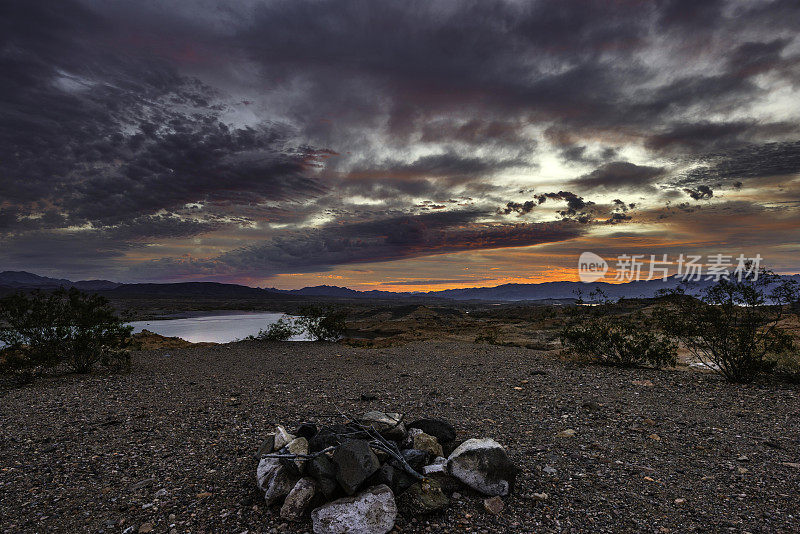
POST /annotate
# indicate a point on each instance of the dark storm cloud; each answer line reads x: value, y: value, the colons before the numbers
x: 140, y: 121
x: 752, y: 161
x: 707, y: 136
x: 103, y: 138
x: 618, y: 175
x: 703, y: 192
x: 379, y: 240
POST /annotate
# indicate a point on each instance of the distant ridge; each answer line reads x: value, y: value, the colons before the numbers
x: 25, y: 280
x: 11, y: 280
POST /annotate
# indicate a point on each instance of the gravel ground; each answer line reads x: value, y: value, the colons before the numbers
x: 171, y: 444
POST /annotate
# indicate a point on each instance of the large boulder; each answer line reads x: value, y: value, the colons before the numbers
x: 298, y: 499
x: 438, y: 428
x: 370, y: 512
x: 483, y: 465
x: 355, y: 462
x: 389, y: 425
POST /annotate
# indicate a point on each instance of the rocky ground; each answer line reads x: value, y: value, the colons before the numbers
x: 171, y: 445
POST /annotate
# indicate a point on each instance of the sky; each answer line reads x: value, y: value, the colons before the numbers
x: 399, y: 145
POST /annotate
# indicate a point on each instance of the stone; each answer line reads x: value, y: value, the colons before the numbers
x: 306, y: 430
x: 267, y: 446
x: 355, y: 462
x: 540, y: 496
x: 415, y: 458
x: 402, y: 481
x: 438, y: 428
x: 568, y: 433
x: 448, y: 482
x: 680, y: 501
x: 326, y: 437
x: 439, y: 465
x: 297, y: 446
x: 389, y: 425
x: 370, y: 512
x: 298, y: 499
x: 408, y: 441
x: 654, y: 437
x: 591, y: 406
x: 426, y: 442
x: 424, y: 497
x: 494, y: 505
x: 282, y: 438
x: 264, y: 471
x: 385, y: 475
x: 483, y: 465
x: 275, y: 479
x: 146, y: 528
x: 323, y: 471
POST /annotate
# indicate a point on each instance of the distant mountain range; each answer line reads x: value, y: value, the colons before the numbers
x: 12, y: 280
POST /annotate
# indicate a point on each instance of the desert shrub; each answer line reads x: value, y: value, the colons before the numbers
x: 322, y: 323
x: 786, y: 365
x: 489, y: 337
x: 733, y: 325
x: 603, y: 333
x: 281, y: 330
x: 63, y: 327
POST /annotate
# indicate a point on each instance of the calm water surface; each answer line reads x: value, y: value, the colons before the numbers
x: 214, y: 328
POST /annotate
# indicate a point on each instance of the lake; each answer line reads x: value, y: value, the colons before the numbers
x: 218, y: 327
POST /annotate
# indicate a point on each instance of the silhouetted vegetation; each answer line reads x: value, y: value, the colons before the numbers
x: 732, y: 326
x: 322, y: 323
x: 281, y: 330
x: 63, y: 327
x: 319, y: 323
x: 609, y: 334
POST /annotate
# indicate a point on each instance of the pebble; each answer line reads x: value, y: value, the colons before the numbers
x: 566, y: 433
x: 494, y: 505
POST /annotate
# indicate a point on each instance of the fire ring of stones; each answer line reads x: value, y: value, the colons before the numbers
x: 349, y: 474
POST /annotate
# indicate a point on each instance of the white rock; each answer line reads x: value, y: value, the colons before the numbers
x: 483, y: 465
x: 264, y: 471
x: 439, y: 465
x: 282, y: 438
x: 370, y: 512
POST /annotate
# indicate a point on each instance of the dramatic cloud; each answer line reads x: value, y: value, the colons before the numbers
x: 261, y: 138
